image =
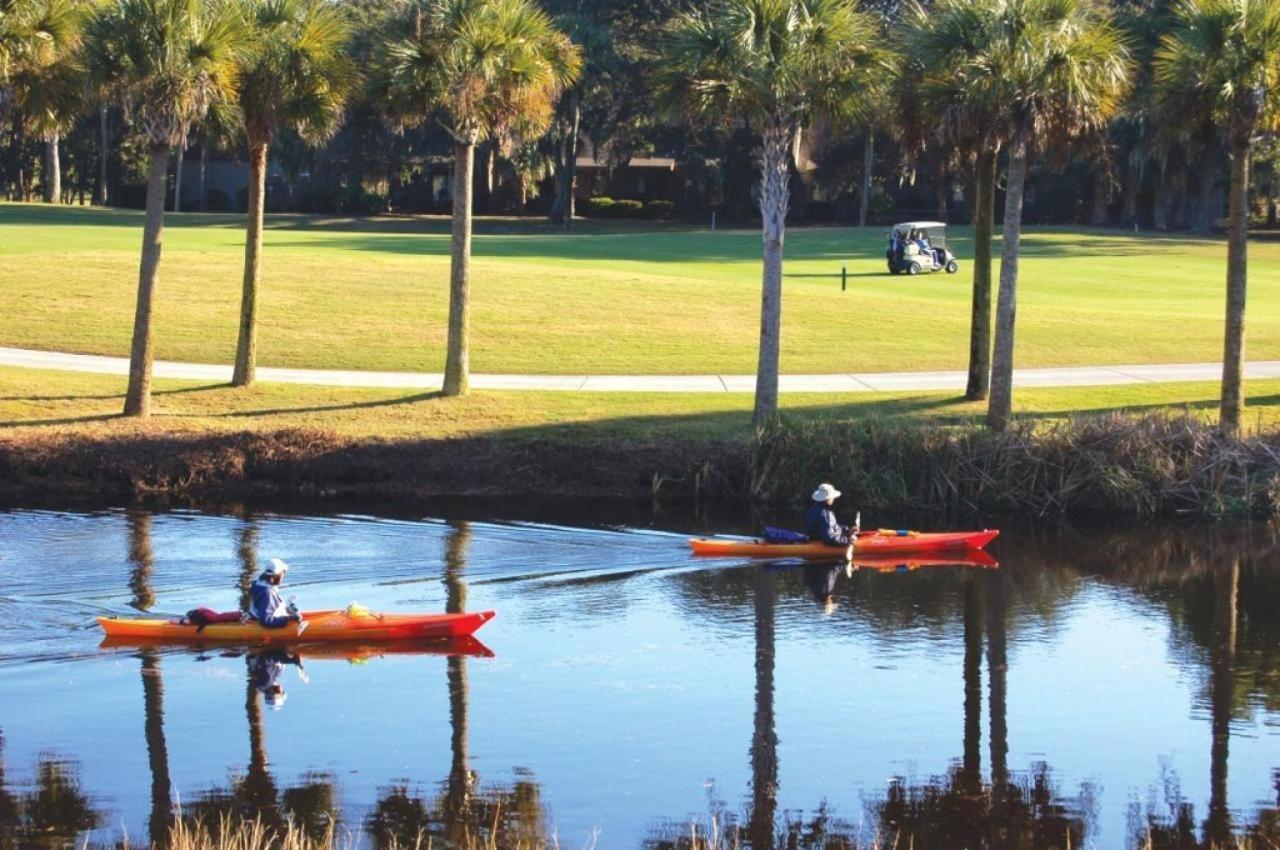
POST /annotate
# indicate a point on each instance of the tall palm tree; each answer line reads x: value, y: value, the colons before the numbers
x: 50, y: 99
x: 480, y: 66
x: 296, y: 74
x: 34, y: 32
x: 777, y: 64
x: 1060, y: 68
x: 1229, y: 51
x: 165, y: 61
x: 949, y: 45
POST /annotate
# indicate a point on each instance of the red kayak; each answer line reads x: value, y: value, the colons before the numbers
x: 879, y: 542
x: 321, y: 626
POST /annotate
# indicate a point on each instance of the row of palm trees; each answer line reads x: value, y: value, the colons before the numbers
x: 1018, y: 78
x: 483, y: 68
x: 986, y: 76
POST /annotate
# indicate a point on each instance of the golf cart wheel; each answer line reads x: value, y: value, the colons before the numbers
x: 893, y: 269
x: 913, y: 269
x: 953, y: 267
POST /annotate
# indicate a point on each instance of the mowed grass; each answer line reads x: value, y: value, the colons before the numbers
x: 50, y: 403
x: 620, y: 298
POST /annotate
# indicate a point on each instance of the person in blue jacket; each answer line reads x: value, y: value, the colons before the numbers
x: 820, y: 521
x: 266, y: 604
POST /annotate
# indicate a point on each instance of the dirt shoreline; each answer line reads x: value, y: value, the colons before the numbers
x: 1121, y: 466
x: 313, y: 463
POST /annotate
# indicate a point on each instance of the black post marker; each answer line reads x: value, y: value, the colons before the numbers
x: 844, y: 278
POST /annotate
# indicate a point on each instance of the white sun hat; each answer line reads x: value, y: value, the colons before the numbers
x: 277, y: 568
x: 824, y: 492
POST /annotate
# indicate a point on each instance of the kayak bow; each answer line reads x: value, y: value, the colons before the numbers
x: 321, y: 626
x: 881, y: 542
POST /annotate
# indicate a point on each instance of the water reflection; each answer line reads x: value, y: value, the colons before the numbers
x: 464, y: 814
x: 142, y: 557
x: 51, y: 813
x: 994, y: 644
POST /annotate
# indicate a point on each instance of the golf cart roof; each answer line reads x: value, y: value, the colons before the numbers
x: 919, y: 225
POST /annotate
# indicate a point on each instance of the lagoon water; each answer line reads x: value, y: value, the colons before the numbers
x: 1100, y: 688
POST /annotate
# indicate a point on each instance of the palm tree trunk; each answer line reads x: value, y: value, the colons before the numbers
x: 137, y: 400
x: 1202, y: 221
x: 571, y: 161
x: 775, y: 158
x: 53, y: 170
x: 457, y: 367
x: 940, y: 188
x: 177, y: 175
x: 980, y: 323
x: 1237, y: 276
x: 104, y: 146
x: 201, y: 200
x: 1000, y: 408
x: 868, y: 162
x: 247, y: 344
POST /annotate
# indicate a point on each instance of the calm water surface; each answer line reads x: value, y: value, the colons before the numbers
x: 1097, y: 688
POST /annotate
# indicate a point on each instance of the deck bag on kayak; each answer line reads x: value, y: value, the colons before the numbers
x: 201, y: 617
x: 782, y: 535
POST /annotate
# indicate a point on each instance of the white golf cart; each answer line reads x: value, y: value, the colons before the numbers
x: 919, y: 246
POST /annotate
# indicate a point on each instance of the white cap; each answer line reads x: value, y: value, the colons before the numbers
x: 275, y: 699
x: 277, y: 568
x: 824, y: 492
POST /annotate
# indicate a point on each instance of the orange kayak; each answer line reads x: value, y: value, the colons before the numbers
x: 880, y: 542
x: 322, y: 626
x: 354, y: 650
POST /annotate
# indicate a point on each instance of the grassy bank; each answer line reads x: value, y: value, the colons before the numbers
x: 1136, y: 450
x: 617, y: 298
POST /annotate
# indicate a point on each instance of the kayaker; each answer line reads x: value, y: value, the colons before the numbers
x: 266, y: 605
x: 820, y: 522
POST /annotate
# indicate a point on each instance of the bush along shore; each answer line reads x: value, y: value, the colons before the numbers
x: 1123, y: 465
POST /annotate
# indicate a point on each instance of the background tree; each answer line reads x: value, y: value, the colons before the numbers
x: 165, y: 61
x: 1055, y: 66
x: 296, y: 74
x: 775, y: 64
x: 1229, y: 51
x: 480, y: 65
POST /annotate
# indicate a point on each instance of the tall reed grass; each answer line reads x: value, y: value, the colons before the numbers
x: 1137, y: 466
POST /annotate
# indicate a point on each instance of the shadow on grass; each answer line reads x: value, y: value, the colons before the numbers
x: 723, y: 424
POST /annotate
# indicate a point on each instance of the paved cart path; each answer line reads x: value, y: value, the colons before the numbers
x: 1067, y: 376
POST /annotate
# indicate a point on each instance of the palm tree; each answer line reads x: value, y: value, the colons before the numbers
x: 776, y: 64
x: 297, y: 74
x: 50, y: 100
x: 948, y: 46
x: 1057, y: 67
x: 481, y: 66
x: 1229, y: 51
x: 34, y: 32
x: 165, y: 61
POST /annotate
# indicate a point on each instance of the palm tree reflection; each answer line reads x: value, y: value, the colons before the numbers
x: 764, y: 739
x: 463, y: 815
x: 142, y: 558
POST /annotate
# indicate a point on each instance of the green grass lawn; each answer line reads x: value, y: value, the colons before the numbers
x: 37, y: 402
x: 620, y: 298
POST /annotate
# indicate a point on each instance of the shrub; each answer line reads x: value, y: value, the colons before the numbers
x: 626, y: 209
x: 599, y: 206
x: 659, y: 209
